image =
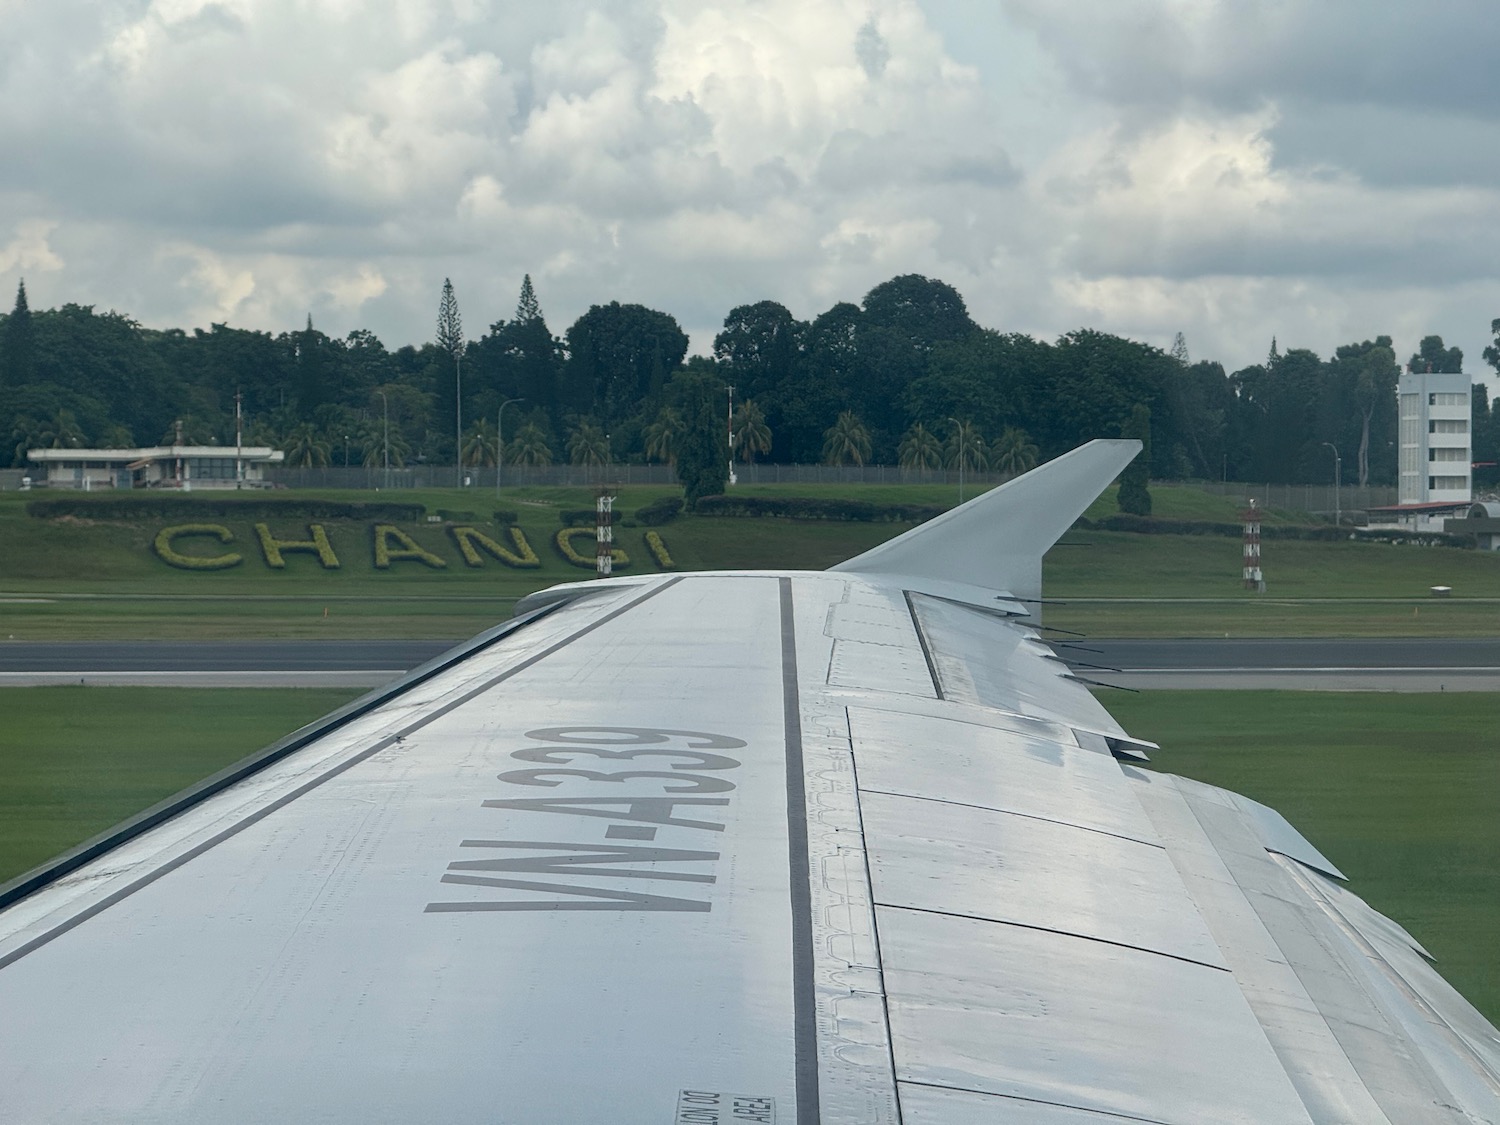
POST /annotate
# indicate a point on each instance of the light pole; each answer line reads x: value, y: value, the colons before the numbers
x: 958, y: 445
x: 1338, y: 480
x: 500, y: 441
x: 385, y: 413
x: 730, y: 432
x: 458, y: 407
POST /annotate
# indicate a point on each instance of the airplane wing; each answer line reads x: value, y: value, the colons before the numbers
x: 745, y: 847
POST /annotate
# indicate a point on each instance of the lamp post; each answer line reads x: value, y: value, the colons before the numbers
x: 385, y: 413
x: 458, y: 408
x: 500, y: 441
x: 1338, y: 480
x: 958, y: 445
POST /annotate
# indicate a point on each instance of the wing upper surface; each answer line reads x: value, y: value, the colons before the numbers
x: 813, y: 847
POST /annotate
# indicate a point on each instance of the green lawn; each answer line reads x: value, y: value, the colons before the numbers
x: 1402, y: 792
x: 68, y: 579
x: 75, y: 760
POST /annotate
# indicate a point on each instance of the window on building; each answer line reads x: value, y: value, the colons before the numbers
x: 1459, y: 453
x: 1448, y: 426
x: 1447, y: 400
x: 1447, y: 484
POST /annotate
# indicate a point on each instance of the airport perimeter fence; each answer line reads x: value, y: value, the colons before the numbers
x: 1316, y: 498
x: 446, y: 476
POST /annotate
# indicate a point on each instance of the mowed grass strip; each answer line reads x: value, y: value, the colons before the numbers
x: 76, y: 760
x: 1402, y: 792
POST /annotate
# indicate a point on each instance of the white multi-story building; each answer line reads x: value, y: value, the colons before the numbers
x: 1436, y: 441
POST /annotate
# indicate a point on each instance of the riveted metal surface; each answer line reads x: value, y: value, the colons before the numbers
x: 297, y: 969
x: 944, y: 760
x: 933, y: 1105
x: 955, y: 859
x: 984, y: 659
x: 1004, y: 1010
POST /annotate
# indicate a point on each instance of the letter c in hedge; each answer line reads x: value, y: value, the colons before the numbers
x: 164, y: 551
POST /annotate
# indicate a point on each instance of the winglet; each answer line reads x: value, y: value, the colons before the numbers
x: 997, y: 540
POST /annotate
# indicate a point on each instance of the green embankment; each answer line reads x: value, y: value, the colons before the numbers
x: 68, y: 578
x: 1402, y: 792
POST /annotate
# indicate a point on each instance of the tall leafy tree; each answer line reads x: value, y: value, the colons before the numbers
x: 450, y: 341
x: 17, y: 344
x: 619, y: 360
x: 1135, y: 495
x: 1367, y: 373
x: 1432, y: 356
x: 696, y: 393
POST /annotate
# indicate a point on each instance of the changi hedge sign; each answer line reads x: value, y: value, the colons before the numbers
x: 212, y: 546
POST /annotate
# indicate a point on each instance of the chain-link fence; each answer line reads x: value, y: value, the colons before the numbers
x: 446, y: 476
x: 1296, y: 497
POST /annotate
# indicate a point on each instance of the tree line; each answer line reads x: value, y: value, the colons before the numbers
x: 904, y: 377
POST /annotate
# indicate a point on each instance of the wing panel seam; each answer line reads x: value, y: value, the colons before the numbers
x: 1060, y: 933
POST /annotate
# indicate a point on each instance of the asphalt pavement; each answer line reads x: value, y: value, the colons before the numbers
x: 1419, y: 664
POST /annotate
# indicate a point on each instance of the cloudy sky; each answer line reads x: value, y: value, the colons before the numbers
x: 1319, y: 170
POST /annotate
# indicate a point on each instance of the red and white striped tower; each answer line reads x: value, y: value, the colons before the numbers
x: 604, y: 534
x: 1253, y: 578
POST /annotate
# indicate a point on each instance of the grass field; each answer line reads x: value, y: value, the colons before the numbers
x: 1402, y: 792
x: 75, y: 760
x: 67, y: 579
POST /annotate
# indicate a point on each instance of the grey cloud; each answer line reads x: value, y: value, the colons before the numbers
x: 871, y: 49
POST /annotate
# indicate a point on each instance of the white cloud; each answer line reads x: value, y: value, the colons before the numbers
x: 1141, y: 166
x: 29, y: 248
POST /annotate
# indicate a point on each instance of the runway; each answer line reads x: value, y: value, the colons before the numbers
x: 1362, y: 664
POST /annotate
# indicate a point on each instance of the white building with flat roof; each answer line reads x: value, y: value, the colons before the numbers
x: 165, y: 466
x: 1436, y: 454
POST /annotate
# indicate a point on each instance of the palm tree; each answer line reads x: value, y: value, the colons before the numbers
x: 588, y: 445
x: 28, y: 434
x: 529, y: 447
x: 964, y: 448
x: 1013, y: 452
x: 846, y: 441
x: 920, y: 449
x: 306, y: 448
x: 663, y: 435
x: 751, y: 434
x: 481, y: 446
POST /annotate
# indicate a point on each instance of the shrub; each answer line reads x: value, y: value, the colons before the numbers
x: 152, y: 506
x: 162, y: 544
x: 471, y: 542
x: 658, y: 551
x: 578, y: 517
x: 563, y: 541
x: 451, y: 516
x: 659, y: 512
x: 273, y: 548
x: 406, y: 548
x: 505, y: 516
x: 809, y: 508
